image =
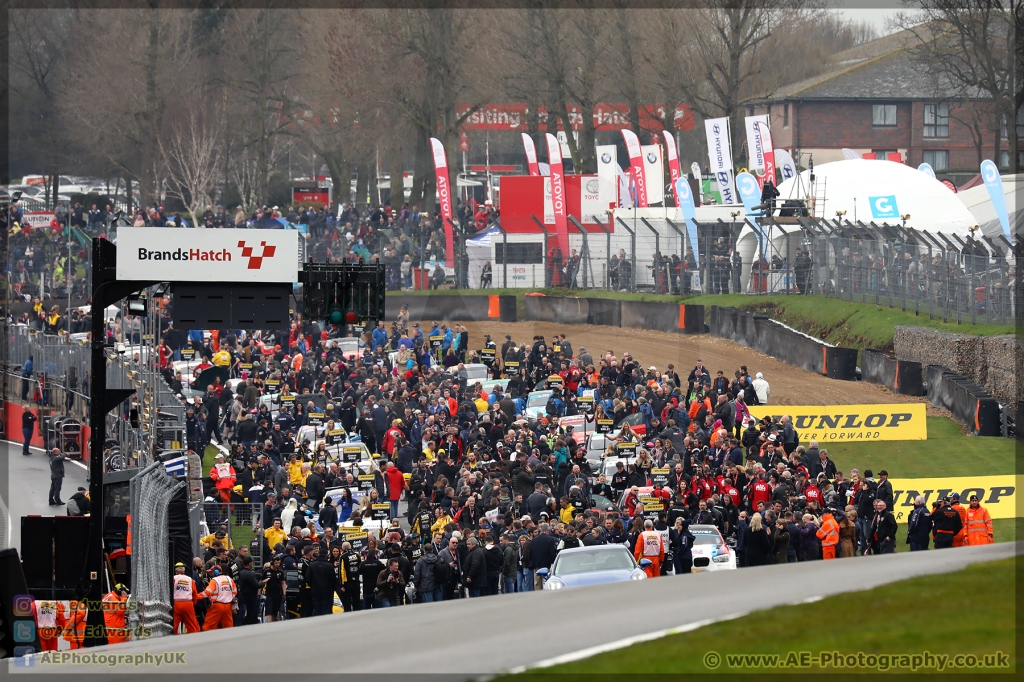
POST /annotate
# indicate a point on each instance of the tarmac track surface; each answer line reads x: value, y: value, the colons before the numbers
x: 789, y: 385
x: 410, y: 641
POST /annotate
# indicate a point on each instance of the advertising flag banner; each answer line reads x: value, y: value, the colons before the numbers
x: 720, y: 157
x: 784, y: 160
x: 636, y: 163
x: 444, y: 197
x: 654, y: 173
x: 755, y: 150
x: 625, y: 193
x: 994, y: 185
x: 608, y: 175
x: 849, y: 154
x: 765, y: 135
x: 531, y: 154
x: 695, y: 169
x: 927, y: 169
x: 687, y: 208
x: 558, y: 192
x: 673, y: 162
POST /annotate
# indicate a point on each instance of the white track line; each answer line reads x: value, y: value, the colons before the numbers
x: 33, y: 447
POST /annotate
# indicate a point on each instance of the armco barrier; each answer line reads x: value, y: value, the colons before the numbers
x: 471, y: 308
x: 967, y: 401
x: 779, y: 341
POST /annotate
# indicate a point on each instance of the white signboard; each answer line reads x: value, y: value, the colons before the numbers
x: 592, y: 209
x: 654, y: 172
x: 608, y: 177
x: 720, y: 156
x: 182, y: 255
x: 37, y: 220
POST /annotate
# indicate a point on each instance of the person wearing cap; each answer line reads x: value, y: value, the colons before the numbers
x: 960, y: 539
x: 79, y: 504
x: 979, y: 524
x: 223, y: 597
x: 883, y: 491
x: 828, y: 533
x: 114, y: 613
x: 185, y: 595
x: 946, y: 524
x: 650, y: 546
x: 223, y: 475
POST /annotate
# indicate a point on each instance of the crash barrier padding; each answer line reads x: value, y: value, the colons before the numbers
x: 604, y: 311
x: 1019, y: 421
x: 899, y: 376
x: 493, y: 308
x: 450, y: 308
x: 969, y: 403
x: 508, y: 309
x: 787, y: 345
x: 691, y: 319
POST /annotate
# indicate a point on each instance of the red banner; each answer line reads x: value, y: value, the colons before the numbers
x: 768, y: 149
x: 636, y: 162
x: 444, y: 196
x: 531, y: 154
x: 673, y: 162
x: 558, y: 193
x: 512, y: 117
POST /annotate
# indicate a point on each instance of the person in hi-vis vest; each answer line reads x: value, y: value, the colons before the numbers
x: 185, y: 597
x: 650, y: 546
x: 223, y: 601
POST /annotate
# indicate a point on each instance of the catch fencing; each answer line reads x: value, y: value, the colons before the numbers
x: 242, y: 523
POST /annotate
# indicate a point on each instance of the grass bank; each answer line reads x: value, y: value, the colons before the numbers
x: 943, y: 614
x: 843, y: 323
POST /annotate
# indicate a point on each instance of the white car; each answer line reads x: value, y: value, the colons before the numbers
x: 710, y: 553
x: 537, y: 405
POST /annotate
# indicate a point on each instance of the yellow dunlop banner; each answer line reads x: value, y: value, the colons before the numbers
x: 997, y: 494
x: 841, y: 423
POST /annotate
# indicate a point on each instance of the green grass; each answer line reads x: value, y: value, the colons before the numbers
x: 943, y: 614
x: 946, y: 453
x: 842, y: 323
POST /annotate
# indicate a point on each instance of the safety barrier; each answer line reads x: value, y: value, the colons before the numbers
x: 899, y: 376
x: 453, y: 308
x: 604, y: 311
x: 967, y: 401
x: 672, y: 318
x: 783, y: 343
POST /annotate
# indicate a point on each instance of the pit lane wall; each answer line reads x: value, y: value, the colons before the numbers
x: 767, y: 336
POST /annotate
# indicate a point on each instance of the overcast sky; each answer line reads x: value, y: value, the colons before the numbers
x: 874, y: 11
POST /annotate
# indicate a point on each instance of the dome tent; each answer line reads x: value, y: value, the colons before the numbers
x: 868, y: 191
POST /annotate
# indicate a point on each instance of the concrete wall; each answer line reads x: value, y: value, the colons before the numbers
x: 993, y: 362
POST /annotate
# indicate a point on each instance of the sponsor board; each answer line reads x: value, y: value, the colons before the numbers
x: 841, y: 423
x: 177, y: 255
x: 997, y: 494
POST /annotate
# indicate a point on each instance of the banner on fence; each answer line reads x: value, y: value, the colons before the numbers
x: 843, y: 423
x: 997, y: 494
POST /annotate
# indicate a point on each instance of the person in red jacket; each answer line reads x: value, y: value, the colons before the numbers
x: 223, y: 475
x: 390, y: 441
x: 760, y: 492
x: 395, y: 481
x: 813, y: 493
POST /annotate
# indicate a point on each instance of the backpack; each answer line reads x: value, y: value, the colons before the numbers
x: 552, y: 408
x: 441, y: 572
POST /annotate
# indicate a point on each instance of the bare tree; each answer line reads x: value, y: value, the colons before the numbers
x: 972, y: 49
x: 191, y: 156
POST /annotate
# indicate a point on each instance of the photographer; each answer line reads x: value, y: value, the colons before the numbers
x: 390, y: 585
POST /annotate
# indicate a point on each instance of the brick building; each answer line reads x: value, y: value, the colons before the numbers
x: 880, y: 98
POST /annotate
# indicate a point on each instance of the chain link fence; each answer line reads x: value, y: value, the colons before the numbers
x: 242, y: 523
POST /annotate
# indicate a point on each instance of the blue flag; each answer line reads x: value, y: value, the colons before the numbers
x: 994, y: 184
x: 927, y: 169
x: 689, y: 214
x: 750, y: 195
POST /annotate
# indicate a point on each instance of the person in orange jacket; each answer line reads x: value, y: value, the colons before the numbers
x: 223, y: 598
x: 829, y: 536
x: 50, y: 621
x: 223, y: 475
x: 74, y: 624
x: 650, y: 546
x: 960, y: 539
x: 185, y: 595
x: 979, y: 524
x: 114, y: 614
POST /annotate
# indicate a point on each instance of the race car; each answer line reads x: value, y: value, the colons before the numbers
x: 710, y: 551
x: 593, y: 565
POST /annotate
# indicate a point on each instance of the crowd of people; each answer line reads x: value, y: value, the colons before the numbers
x: 488, y: 495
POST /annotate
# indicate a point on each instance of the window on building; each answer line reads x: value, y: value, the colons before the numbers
x: 883, y: 154
x: 938, y: 159
x: 883, y: 114
x: 785, y: 115
x: 936, y: 120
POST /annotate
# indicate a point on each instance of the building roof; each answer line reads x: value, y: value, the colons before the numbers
x: 884, y: 68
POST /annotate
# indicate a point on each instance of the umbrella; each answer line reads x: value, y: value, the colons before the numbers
x: 208, y: 376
